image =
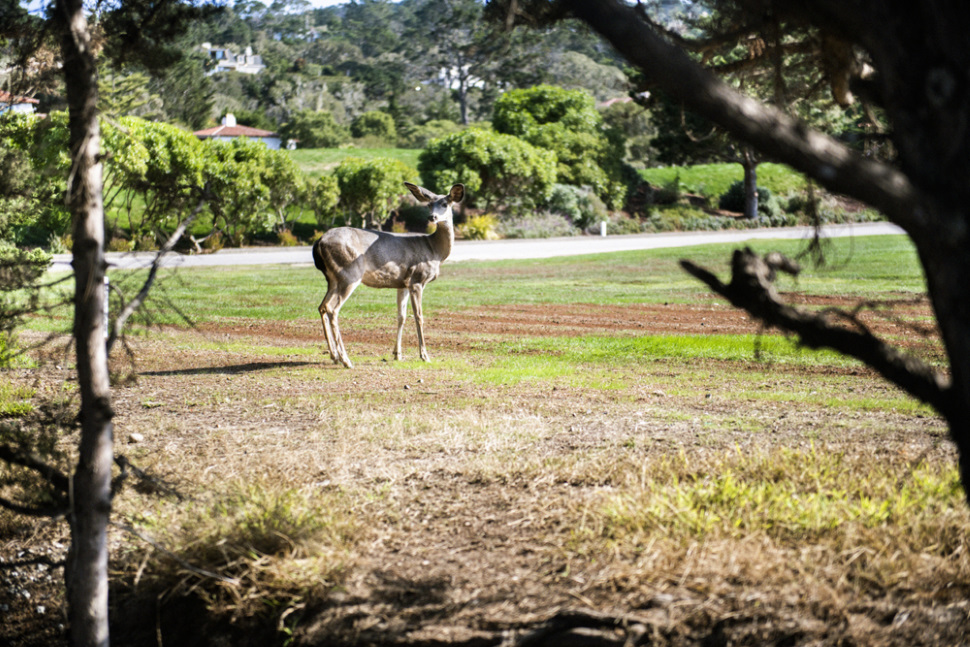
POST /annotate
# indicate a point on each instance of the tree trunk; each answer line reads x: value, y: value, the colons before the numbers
x: 947, y: 267
x: 750, y: 165
x: 86, y: 573
x: 463, y: 100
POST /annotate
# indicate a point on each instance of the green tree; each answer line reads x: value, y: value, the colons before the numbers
x: 630, y: 126
x: 155, y: 175
x: 371, y: 188
x: 771, y: 67
x: 33, y: 161
x: 496, y: 169
x: 375, y: 123
x: 186, y: 92
x: 457, y: 46
x: 577, y: 71
x: 239, y: 198
x: 371, y: 24
x: 567, y: 122
x: 138, y: 31
x: 286, y: 185
x: 125, y: 93
x: 322, y: 197
x: 314, y: 130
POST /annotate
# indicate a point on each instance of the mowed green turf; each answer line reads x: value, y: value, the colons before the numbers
x: 714, y: 179
x: 872, y: 268
x: 321, y: 161
x: 866, y: 267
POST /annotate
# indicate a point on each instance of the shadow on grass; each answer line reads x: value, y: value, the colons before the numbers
x: 232, y: 369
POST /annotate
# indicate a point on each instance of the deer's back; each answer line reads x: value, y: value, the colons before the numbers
x: 377, y: 258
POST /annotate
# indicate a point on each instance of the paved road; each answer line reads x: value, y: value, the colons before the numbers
x: 494, y: 250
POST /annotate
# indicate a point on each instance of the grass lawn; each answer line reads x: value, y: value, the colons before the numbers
x: 865, y: 266
x: 714, y: 179
x: 595, y: 433
x: 320, y: 161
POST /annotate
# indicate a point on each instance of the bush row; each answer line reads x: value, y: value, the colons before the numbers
x: 156, y: 175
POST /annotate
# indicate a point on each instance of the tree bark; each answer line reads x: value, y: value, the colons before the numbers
x: 86, y: 573
x: 750, y: 166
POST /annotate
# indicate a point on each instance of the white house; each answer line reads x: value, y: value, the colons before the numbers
x: 225, y: 60
x: 12, y: 103
x: 230, y: 130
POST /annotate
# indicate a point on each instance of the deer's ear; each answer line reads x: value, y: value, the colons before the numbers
x: 422, y: 194
x: 457, y: 193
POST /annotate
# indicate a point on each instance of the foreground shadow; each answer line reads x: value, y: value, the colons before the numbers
x: 232, y: 369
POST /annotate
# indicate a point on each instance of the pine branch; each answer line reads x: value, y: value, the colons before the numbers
x: 752, y: 290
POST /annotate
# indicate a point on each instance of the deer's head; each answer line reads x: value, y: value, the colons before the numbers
x: 439, y: 205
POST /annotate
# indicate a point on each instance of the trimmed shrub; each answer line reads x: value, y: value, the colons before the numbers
x: 376, y: 124
x: 566, y: 122
x: 580, y: 205
x: 483, y: 227
x: 322, y: 196
x: 536, y: 225
x: 733, y: 198
x: 496, y: 169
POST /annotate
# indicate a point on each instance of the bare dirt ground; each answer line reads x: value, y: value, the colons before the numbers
x: 475, y: 520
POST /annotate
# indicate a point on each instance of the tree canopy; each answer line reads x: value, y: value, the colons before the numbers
x: 568, y: 123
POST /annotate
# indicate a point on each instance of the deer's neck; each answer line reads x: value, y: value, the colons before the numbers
x: 443, y: 239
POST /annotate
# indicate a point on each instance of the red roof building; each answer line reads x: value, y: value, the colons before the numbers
x: 15, y: 103
x: 230, y: 130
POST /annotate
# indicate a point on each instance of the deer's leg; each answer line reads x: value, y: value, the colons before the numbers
x: 342, y: 293
x: 327, y: 328
x: 416, y: 291
x: 402, y: 314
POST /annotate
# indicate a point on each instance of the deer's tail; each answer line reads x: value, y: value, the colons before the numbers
x: 318, y: 258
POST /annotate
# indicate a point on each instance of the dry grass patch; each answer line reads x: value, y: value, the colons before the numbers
x: 845, y: 522
x: 254, y: 549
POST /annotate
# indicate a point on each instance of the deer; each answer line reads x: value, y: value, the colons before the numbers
x: 349, y: 256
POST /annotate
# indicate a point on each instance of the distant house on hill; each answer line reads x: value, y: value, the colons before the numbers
x: 13, y: 103
x: 229, y: 131
x: 610, y: 102
x: 225, y: 60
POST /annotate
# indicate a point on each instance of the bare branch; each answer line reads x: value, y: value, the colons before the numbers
x: 119, y: 323
x: 751, y: 289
